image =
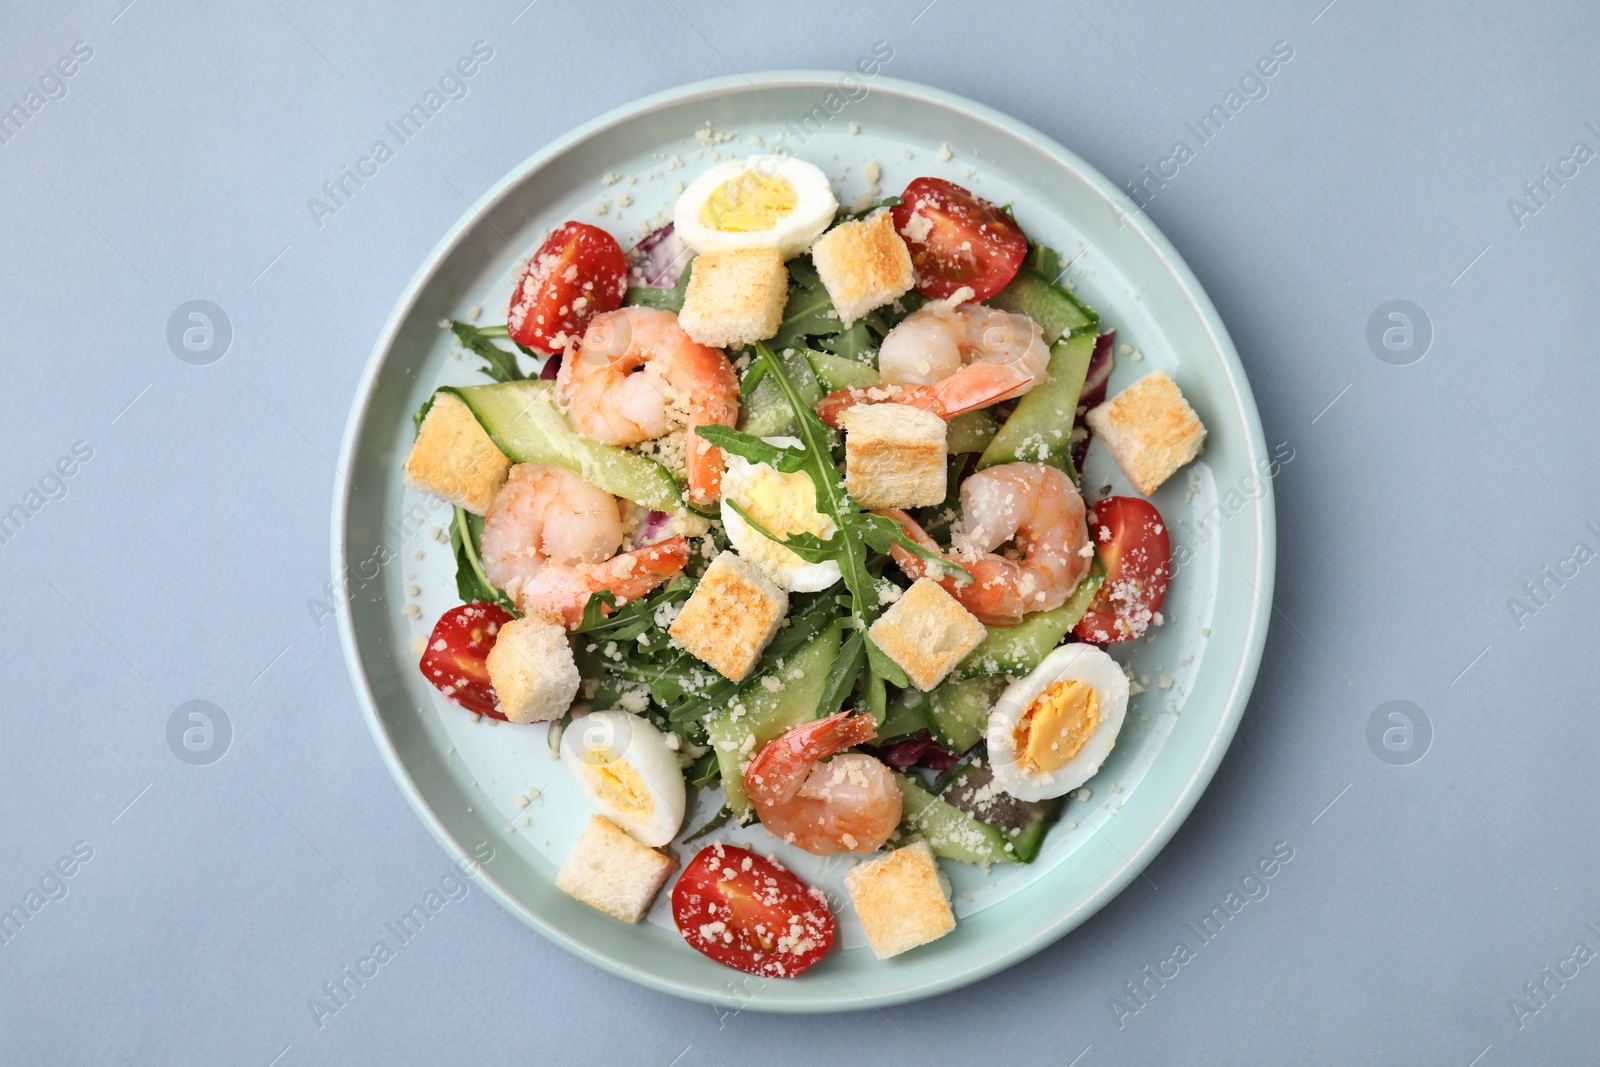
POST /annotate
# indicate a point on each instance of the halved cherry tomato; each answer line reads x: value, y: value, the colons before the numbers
x: 455, y: 659
x: 957, y: 239
x: 747, y: 912
x: 1133, y: 544
x: 576, y: 274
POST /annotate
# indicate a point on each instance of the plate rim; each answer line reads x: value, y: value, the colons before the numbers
x: 1265, y: 539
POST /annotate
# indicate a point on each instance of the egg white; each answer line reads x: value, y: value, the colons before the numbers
x: 793, y: 233
x: 1079, y: 662
x: 783, y: 566
x: 591, y: 742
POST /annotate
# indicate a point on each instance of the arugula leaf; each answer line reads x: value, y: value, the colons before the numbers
x: 472, y: 584
x: 498, y: 363
x: 880, y: 531
x: 809, y: 310
x: 842, y: 675
x: 722, y: 815
x: 808, y: 546
x: 781, y: 457
x: 705, y: 770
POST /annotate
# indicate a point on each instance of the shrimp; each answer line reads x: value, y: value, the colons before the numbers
x: 551, y: 539
x: 637, y: 376
x: 849, y: 803
x: 1032, y: 504
x: 950, y: 361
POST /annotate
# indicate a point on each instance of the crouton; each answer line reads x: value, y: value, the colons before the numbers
x: 1149, y: 429
x: 863, y: 264
x: 735, y: 298
x: 731, y: 616
x: 894, y: 456
x: 927, y: 632
x: 902, y: 900
x: 532, y: 670
x: 454, y: 459
x: 611, y: 871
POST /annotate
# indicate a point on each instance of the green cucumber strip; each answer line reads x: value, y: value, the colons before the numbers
x: 1040, y: 429
x: 1017, y: 650
x: 522, y: 419
x: 957, y: 712
x: 949, y: 831
x: 971, y: 432
x: 739, y: 732
x: 1056, y: 311
x: 837, y: 372
x: 766, y: 410
x: 1023, y: 823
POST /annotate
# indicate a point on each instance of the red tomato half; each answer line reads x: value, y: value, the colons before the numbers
x: 455, y: 659
x: 747, y: 912
x: 1133, y: 544
x: 576, y: 274
x: 957, y: 239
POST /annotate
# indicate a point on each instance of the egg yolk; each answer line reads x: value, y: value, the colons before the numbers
x: 1056, y: 726
x: 786, y: 504
x: 622, y: 787
x: 750, y: 202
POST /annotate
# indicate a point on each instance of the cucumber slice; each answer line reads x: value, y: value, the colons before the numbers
x: 522, y: 419
x: 1017, y: 650
x: 758, y: 714
x: 838, y: 372
x: 1056, y: 311
x: 971, y: 432
x: 957, y: 712
x: 1023, y: 823
x: 1040, y: 429
x: 766, y: 412
x: 949, y: 831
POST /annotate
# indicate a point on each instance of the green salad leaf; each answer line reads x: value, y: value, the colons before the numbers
x: 499, y: 364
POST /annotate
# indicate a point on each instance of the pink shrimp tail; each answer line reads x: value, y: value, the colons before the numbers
x: 978, y: 385
x: 778, y: 772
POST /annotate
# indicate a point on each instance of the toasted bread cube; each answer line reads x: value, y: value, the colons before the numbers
x: 1149, y: 429
x: 611, y: 871
x: 863, y: 264
x: 894, y: 456
x: 902, y: 900
x: 731, y: 616
x: 735, y: 298
x: 454, y: 458
x: 532, y: 670
x: 927, y: 632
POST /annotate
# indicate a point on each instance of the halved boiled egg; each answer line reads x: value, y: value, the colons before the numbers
x: 785, y: 504
x: 624, y: 766
x: 759, y: 202
x: 1050, y: 732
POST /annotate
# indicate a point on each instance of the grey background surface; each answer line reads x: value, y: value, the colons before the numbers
x: 184, y: 559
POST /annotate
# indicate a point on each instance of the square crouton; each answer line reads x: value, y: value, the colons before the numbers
x: 894, y: 456
x: 863, y: 264
x: 1149, y: 429
x: 735, y: 298
x: 454, y: 458
x: 902, y: 899
x: 731, y: 616
x: 611, y: 871
x: 532, y: 670
x: 927, y: 632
